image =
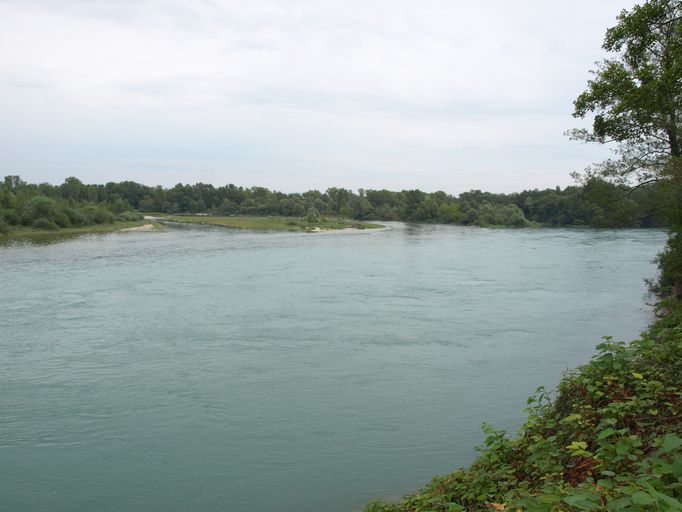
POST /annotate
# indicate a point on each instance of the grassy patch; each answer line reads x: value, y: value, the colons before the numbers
x: 608, y: 439
x: 272, y: 223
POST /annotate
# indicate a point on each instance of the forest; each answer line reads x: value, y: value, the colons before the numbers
x: 73, y: 203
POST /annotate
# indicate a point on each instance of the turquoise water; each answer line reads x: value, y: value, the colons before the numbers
x: 210, y: 369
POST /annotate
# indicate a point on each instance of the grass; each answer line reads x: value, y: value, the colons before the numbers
x: 40, y: 235
x: 608, y: 439
x: 271, y: 223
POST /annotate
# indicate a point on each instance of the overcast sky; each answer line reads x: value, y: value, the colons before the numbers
x: 294, y: 95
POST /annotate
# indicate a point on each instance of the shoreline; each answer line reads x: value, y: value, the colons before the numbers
x: 270, y: 223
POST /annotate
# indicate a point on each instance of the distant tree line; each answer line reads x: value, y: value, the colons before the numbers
x: 52, y: 207
x: 73, y: 203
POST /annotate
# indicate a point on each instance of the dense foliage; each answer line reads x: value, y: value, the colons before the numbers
x: 73, y: 203
x: 609, y: 439
x: 636, y: 94
x: 46, y: 207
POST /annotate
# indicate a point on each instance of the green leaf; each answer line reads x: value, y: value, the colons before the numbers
x: 606, y: 433
x: 621, y: 503
x: 668, y: 443
x: 642, y: 498
x: 582, y: 501
x: 577, y: 445
x: 549, y: 499
x: 677, y: 467
x: 606, y: 483
x: 455, y: 507
x: 672, y: 503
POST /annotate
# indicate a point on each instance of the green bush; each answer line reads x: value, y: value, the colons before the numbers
x: 43, y: 223
x: 490, y: 214
x: 76, y: 216
x: 61, y: 219
x: 312, y: 215
x: 38, y: 207
x: 670, y: 263
x: 130, y: 216
x: 12, y: 217
x: 101, y: 215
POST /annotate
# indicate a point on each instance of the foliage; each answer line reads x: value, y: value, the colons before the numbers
x: 312, y: 215
x: 74, y: 204
x: 609, y: 439
x: 636, y: 95
x: 44, y: 223
x: 48, y: 208
x: 490, y: 214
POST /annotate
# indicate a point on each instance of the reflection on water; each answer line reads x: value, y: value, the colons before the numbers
x: 213, y: 369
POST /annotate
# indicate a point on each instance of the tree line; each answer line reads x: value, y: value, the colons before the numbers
x: 50, y: 207
x: 596, y: 203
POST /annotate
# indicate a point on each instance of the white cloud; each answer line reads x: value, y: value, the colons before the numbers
x: 326, y: 93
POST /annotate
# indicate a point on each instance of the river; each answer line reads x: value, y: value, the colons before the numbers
x: 210, y: 369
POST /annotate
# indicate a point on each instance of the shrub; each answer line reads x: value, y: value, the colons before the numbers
x: 101, y: 215
x: 61, y: 219
x: 76, y: 216
x: 38, y: 207
x: 43, y: 223
x: 130, y: 216
x: 12, y: 217
x: 312, y: 215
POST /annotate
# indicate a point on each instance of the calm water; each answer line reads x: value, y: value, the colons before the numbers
x: 210, y: 369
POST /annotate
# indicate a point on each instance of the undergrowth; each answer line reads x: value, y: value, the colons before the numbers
x: 608, y: 439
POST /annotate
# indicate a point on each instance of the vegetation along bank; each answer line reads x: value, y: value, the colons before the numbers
x: 74, y: 204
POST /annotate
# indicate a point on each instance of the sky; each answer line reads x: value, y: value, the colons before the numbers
x: 298, y: 95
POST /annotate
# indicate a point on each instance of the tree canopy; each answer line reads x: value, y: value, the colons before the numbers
x: 636, y: 96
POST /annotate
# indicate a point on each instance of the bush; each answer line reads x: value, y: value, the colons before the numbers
x: 11, y: 217
x: 670, y: 263
x: 61, y: 219
x: 43, y: 223
x: 312, y: 215
x: 76, y: 216
x: 38, y: 207
x: 130, y: 216
x: 101, y: 215
x: 489, y: 214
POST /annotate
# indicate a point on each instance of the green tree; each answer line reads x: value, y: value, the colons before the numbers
x: 636, y: 99
x: 636, y: 96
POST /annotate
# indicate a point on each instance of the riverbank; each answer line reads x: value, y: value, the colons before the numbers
x: 609, y: 438
x: 30, y: 233
x: 270, y: 223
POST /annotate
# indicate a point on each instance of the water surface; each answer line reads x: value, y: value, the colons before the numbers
x: 211, y: 369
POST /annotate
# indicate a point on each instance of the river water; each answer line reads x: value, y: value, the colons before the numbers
x: 211, y: 369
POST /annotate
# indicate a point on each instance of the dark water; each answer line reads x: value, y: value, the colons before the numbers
x: 210, y: 369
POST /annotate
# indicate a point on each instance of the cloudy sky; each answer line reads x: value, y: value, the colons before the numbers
x: 293, y: 95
